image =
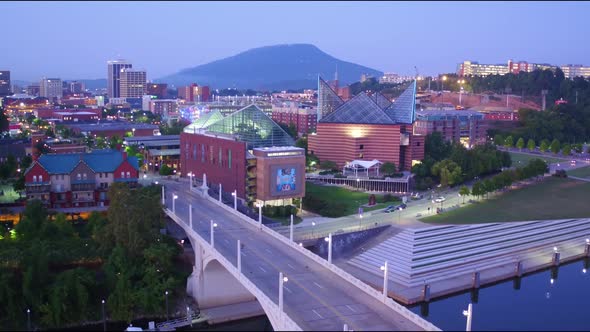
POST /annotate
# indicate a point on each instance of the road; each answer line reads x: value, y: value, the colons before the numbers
x: 314, y: 297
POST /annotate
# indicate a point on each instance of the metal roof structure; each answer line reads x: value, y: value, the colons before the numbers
x: 100, y: 161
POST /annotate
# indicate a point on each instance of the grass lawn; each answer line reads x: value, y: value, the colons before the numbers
x: 350, y: 199
x: 525, y: 158
x: 9, y: 194
x: 286, y: 221
x: 582, y: 172
x: 554, y: 198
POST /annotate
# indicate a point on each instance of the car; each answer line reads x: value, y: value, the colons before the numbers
x: 439, y: 199
x: 402, y: 206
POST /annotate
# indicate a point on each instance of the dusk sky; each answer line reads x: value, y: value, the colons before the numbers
x: 74, y: 40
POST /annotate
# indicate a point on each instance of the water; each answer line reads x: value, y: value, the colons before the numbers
x: 538, y: 305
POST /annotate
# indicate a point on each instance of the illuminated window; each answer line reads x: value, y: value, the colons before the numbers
x: 34, y: 178
x: 40, y: 178
x: 79, y: 176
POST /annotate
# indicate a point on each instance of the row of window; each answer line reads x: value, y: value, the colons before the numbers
x: 210, y: 148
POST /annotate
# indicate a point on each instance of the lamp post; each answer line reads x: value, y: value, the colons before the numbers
x: 235, y: 195
x: 190, y: 184
x: 460, y: 90
x: 282, y: 279
x: 213, y: 225
x: 358, y: 184
x: 442, y: 88
x: 468, y: 313
x: 312, y: 228
x: 291, y: 230
x: 259, y: 205
x: 163, y: 195
x: 28, y: 319
x: 167, y: 315
x: 174, y: 203
x: 385, y: 280
x: 133, y: 130
x: 329, y: 240
x: 399, y: 216
x: 220, y: 193
x: 104, y: 322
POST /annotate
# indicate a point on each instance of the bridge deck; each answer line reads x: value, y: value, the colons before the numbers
x: 314, y: 297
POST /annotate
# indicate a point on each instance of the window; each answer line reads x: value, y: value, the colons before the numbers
x: 79, y: 176
x: 122, y: 174
x: 361, y: 147
x: 128, y: 175
x: 211, y: 159
x: 85, y: 176
x: 40, y: 178
x: 34, y: 178
x: 229, y: 158
x: 100, y: 175
x: 202, y: 153
x: 417, y: 143
x: 195, y: 152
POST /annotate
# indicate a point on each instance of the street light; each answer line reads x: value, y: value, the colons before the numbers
x: 385, y: 280
x: 28, y: 319
x: 312, y: 228
x: 188, y: 316
x: 235, y: 195
x: 259, y: 205
x: 282, y: 279
x: 190, y: 184
x: 442, y: 88
x: 358, y: 183
x: 213, y: 225
x: 329, y: 240
x: 133, y: 130
x: 174, y: 203
x: 399, y: 219
x: 468, y: 313
x: 104, y: 322
x: 167, y: 315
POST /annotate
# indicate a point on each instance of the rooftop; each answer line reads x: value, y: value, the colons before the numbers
x: 98, y: 160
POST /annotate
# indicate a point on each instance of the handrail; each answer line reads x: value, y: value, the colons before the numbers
x: 338, y: 271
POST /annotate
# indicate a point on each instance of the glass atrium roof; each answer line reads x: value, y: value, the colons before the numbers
x: 328, y: 100
x: 203, y: 122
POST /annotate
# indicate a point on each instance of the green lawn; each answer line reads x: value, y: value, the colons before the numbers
x: 554, y: 198
x: 582, y: 172
x: 9, y: 194
x: 525, y: 158
x: 349, y: 199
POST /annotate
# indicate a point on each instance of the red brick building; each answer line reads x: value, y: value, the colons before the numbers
x: 367, y: 127
x: 76, y: 180
x: 303, y: 117
x: 160, y: 90
x: 459, y: 126
x: 194, y: 92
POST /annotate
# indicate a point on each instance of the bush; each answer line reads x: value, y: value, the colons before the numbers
x: 340, y: 176
x: 386, y: 198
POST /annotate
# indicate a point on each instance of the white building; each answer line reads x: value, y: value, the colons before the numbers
x: 114, y: 77
x: 571, y: 71
x: 51, y: 88
x: 133, y: 83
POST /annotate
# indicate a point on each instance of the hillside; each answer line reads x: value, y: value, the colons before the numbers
x: 293, y: 66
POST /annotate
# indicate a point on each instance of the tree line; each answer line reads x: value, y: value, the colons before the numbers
x: 61, y: 271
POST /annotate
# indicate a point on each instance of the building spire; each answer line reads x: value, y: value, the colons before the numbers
x: 336, y: 74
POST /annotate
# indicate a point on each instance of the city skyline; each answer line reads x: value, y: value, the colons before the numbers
x: 371, y: 34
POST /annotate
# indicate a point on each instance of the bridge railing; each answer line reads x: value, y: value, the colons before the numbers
x: 403, y: 311
x: 283, y: 319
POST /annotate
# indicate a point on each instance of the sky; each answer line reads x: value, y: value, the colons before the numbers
x: 74, y: 40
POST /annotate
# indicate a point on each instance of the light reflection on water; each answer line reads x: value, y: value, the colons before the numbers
x: 554, y: 299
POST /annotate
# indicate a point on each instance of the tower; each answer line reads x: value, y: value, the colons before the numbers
x: 114, y: 68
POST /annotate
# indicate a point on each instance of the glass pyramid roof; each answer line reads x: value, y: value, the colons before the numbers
x: 403, y: 109
x: 381, y: 100
x: 328, y: 100
x: 360, y: 109
x: 203, y: 121
x: 252, y: 125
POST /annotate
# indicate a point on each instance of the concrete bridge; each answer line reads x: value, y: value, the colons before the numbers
x: 239, y: 260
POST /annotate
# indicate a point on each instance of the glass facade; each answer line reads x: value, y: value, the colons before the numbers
x: 253, y: 126
x: 328, y: 100
x: 203, y: 122
x: 403, y: 109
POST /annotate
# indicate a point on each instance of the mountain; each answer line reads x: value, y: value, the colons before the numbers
x: 99, y: 83
x: 289, y: 66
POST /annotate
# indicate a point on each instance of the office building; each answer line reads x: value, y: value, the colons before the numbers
x: 164, y: 107
x: 160, y: 90
x: 76, y: 87
x: 194, y: 92
x: 302, y: 116
x: 466, y: 127
x: 367, y: 127
x: 158, y: 151
x: 5, y: 89
x: 33, y: 89
x: 114, y: 68
x: 132, y: 83
x: 473, y: 68
x: 571, y: 71
x: 51, y: 88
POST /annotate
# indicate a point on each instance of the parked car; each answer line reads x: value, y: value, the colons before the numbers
x: 402, y: 206
x: 389, y: 209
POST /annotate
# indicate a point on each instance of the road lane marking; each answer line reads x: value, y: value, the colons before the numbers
x: 267, y: 250
x: 320, y: 286
x: 288, y: 290
x: 226, y: 241
x: 263, y: 270
x: 350, y: 308
x: 243, y: 254
x: 291, y: 266
x: 315, y: 312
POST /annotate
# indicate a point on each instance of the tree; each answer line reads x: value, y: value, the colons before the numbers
x: 387, y: 168
x: 448, y: 171
x: 499, y: 139
x: 544, y: 145
x: 531, y: 144
x: 302, y: 143
x: 312, y: 160
x: 509, y: 142
x: 165, y: 170
x: 520, y: 143
x: 488, y: 187
x: 328, y: 165
x: 555, y: 146
x: 436, y: 147
x: 477, y: 190
x: 566, y: 150
x: 4, y: 124
x: 464, y: 191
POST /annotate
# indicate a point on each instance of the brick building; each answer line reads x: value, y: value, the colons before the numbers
x: 247, y: 152
x: 367, y: 127
x: 467, y: 127
x: 73, y: 180
x: 303, y: 117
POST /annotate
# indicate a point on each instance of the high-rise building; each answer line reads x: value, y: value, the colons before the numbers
x: 114, y: 77
x: 34, y: 89
x: 76, y: 87
x: 4, y: 83
x: 51, y: 88
x: 571, y: 71
x: 194, y: 92
x: 132, y: 83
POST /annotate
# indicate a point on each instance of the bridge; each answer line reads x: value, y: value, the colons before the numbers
x: 240, y: 260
